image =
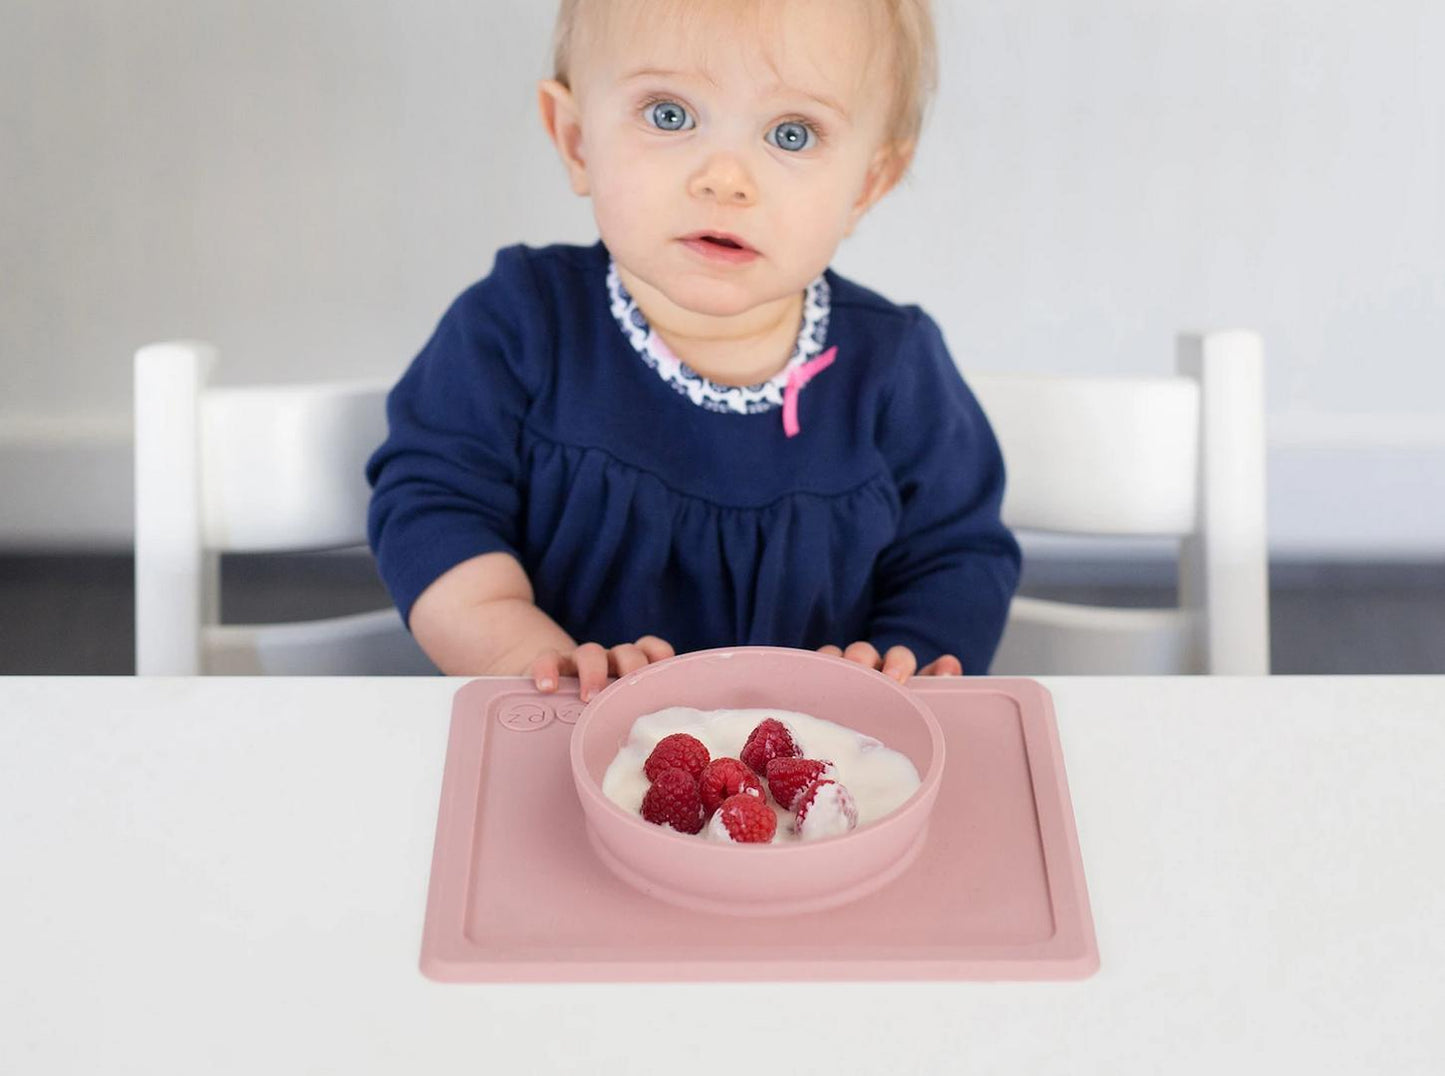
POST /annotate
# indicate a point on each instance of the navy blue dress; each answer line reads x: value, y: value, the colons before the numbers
x: 544, y: 419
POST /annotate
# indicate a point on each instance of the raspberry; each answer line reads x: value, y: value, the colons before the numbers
x: 678, y: 751
x: 768, y: 741
x: 724, y: 777
x: 743, y: 819
x: 826, y: 810
x: 673, y: 801
x: 789, y: 778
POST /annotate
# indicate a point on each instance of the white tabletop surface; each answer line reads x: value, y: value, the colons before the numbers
x: 230, y: 875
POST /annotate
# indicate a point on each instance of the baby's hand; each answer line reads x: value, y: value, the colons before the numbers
x: 898, y: 663
x: 592, y: 664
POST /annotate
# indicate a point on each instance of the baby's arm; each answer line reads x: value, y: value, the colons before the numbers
x: 479, y: 619
x: 446, y: 486
x: 943, y: 588
x: 446, y: 505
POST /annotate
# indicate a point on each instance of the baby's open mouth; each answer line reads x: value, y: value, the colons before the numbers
x: 718, y: 240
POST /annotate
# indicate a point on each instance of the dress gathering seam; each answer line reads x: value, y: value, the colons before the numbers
x: 879, y: 477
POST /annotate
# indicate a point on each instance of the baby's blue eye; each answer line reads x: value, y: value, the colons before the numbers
x: 666, y: 114
x: 791, y: 135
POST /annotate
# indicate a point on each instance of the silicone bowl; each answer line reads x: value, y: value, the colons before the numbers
x: 765, y: 879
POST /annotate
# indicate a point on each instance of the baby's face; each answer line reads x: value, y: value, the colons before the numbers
x: 724, y: 143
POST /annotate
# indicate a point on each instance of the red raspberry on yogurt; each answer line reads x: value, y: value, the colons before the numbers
x: 743, y: 819
x: 673, y: 800
x: 827, y: 809
x: 770, y: 740
x: 724, y: 777
x: 789, y: 778
x: 678, y: 751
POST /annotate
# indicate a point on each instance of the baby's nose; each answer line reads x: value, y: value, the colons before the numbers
x: 724, y: 179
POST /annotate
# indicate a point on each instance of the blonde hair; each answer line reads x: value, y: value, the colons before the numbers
x: 912, y: 58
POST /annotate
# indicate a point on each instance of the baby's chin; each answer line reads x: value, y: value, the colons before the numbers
x: 713, y: 298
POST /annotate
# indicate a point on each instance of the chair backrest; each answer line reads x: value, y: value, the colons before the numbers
x: 249, y: 469
x: 1161, y: 457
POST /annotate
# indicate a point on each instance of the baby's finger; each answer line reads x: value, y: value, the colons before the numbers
x: 656, y: 649
x: 899, y: 663
x: 863, y: 654
x: 627, y: 658
x: 591, y: 662
x: 946, y: 665
x: 831, y: 651
x: 546, y: 670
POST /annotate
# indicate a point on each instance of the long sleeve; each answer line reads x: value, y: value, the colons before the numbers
x: 447, y: 483
x: 945, y: 584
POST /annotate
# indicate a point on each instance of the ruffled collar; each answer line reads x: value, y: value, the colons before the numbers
x: 739, y: 399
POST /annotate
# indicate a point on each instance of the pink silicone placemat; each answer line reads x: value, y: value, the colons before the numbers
x: 517, y: 893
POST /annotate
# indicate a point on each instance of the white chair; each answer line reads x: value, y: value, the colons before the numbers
x: 1161, y: 457
x: 249, y: 469
x: 270, y: 468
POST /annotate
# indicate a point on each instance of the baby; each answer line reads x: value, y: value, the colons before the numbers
x: 694, y: 433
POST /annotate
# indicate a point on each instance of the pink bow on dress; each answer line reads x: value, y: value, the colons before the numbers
x: 799, y: 376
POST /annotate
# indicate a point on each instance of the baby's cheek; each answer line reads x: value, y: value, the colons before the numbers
x: 624, y: 200
x: 626, y: 233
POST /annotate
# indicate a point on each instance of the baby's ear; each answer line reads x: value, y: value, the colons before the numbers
x: 900, y: 158
x: 563, y: 121
x: 889, y: 163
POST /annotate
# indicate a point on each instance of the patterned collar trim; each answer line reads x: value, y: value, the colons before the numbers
x: 738, y: 399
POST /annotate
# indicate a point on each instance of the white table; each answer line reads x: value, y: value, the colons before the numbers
x: 229, y: 875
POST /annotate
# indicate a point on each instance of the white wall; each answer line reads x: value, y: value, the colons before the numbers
x: 308, y: 183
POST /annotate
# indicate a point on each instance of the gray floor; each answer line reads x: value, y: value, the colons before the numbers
x: 63, y: 615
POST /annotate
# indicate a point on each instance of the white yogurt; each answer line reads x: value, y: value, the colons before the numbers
x: 879, y: 778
